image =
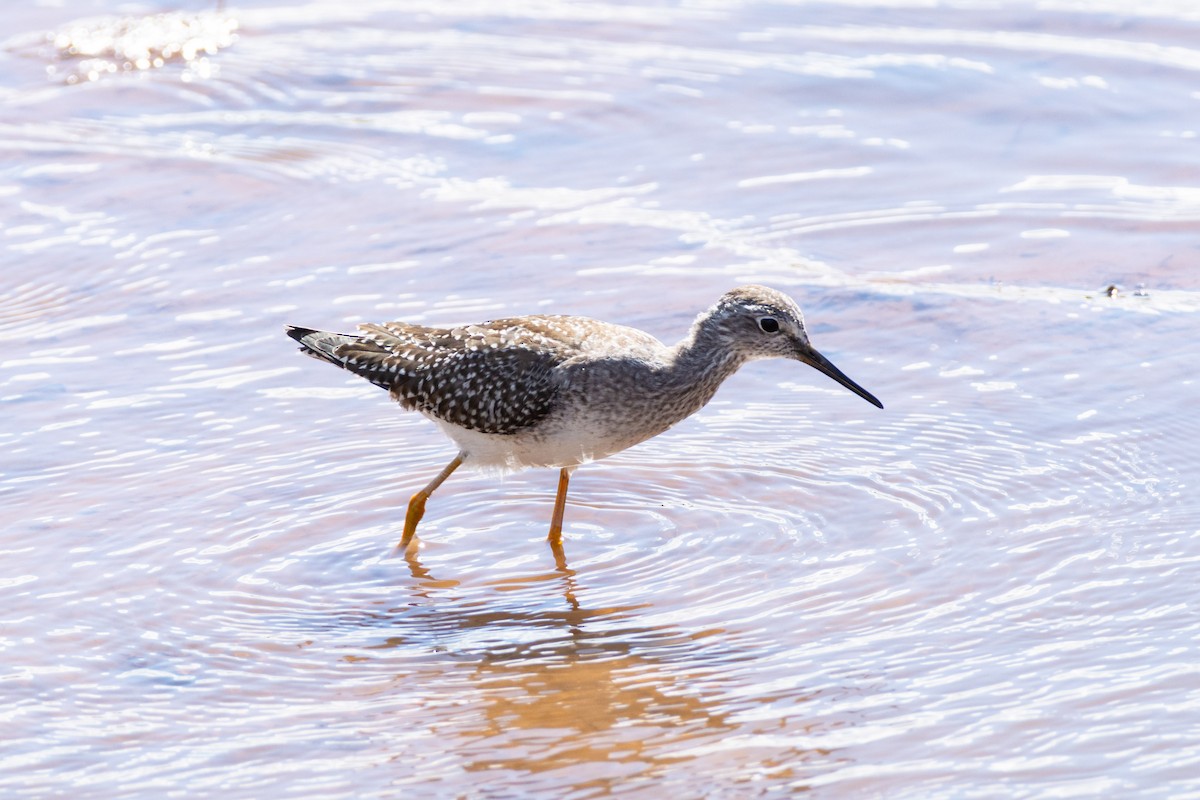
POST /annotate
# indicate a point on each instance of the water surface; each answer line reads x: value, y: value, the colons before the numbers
x: 988, y: 212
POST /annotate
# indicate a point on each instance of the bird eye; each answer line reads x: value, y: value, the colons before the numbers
x: 769, y: 324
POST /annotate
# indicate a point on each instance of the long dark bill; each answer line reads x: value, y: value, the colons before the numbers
x: 822, y: 364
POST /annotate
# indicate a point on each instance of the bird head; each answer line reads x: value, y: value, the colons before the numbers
x: 759, y: 322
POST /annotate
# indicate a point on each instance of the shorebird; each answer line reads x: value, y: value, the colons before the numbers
x: 559, y: 391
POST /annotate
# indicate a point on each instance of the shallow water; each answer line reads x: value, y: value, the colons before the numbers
x: 986, y: 590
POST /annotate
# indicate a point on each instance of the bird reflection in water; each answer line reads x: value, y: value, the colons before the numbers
x: 553, y: 683
x: 425, y: 583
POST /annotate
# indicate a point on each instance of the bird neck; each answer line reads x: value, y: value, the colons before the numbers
x: 701, y: 363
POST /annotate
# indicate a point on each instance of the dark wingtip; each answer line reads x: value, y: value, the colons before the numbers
x: 297, y: 333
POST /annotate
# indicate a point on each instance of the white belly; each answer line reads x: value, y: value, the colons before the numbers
x: 547, y: 446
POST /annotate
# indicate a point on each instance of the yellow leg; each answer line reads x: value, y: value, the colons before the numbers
x: 416, y: 506
x: 560, y: 503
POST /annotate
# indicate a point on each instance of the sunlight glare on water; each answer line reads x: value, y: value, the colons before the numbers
x: 987, y: 211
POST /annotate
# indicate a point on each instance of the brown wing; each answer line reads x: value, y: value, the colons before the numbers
x: 493, y: 378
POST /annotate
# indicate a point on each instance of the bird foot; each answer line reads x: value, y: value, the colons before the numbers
x: 416, y: 510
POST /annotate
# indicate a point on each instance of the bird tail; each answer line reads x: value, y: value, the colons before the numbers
x: 321, y: 344
x: 354, y: 353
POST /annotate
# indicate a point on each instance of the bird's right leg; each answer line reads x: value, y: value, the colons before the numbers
x: 416, y: 506
x: 560, y: 503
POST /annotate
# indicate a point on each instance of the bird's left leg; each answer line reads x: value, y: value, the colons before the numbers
x: 416, y: 506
